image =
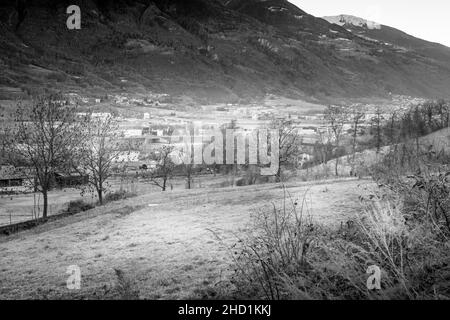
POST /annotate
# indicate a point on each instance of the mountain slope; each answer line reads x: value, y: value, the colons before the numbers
x: 283, y: 15
x: 206, y: 49
x: 391, y: 36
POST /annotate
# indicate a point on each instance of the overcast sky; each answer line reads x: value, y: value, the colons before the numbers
x: 426, y: 19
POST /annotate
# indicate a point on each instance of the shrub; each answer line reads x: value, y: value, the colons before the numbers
x: 241, y: 182
x: 276, y: 247
x: 287, y: 256
x: 78, y: 206
x: 118, y: 195
x: 403, y: 229
x: 423, y: 178
x: 126, y: 288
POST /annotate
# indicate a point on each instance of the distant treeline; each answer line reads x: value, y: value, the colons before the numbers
x: 417, y: 122
x: 387, y: 127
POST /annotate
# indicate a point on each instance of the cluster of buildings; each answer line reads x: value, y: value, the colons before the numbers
x: 155, y: 127
x: 150, y: 100
x: 22, y: 180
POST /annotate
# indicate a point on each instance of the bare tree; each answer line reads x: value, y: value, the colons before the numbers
x: 377, y: 126
x: 357, y: 114
x: 165, y: 166
x: 46, y: 137
x: 336, y: 116
x: 443, y: 110
x: 183, y: 154
x: 99, y: 152
x: 289, y: 143
x: 3, y: 142
x: 232, y: 125
x: 391, y: 130
x: 322, y: 148
x: 188, y: 170
x: 186, y: 165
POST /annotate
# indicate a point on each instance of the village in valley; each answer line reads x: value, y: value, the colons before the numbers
x: 148, y: 123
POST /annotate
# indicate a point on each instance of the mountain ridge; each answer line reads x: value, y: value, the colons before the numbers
x: 344, y: 19
x: 392, y: 35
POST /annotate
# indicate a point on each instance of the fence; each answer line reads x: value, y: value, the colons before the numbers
x: 17, y: 216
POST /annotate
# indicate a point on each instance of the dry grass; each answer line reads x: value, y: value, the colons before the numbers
x: 162, y: 242
x: 22, y: 206
x: 289, y: 256
x: 403, y: 229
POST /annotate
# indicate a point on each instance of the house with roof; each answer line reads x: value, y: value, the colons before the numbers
x: 15, y: 180
x: 70, y: 180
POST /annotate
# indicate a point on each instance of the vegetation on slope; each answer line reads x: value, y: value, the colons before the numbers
x: 203, y: 49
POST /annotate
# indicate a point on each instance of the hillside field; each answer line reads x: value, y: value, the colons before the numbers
x: 166, y: 244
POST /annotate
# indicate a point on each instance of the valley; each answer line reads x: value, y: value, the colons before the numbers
x: 220, y: 149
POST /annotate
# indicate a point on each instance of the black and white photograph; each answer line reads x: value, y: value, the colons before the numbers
x: 254, y: 151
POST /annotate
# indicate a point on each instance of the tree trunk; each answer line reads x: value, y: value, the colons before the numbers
x: 164, y: 184
x: 278, y: 176
x: 100, y: 196
x: 354, y: 147
x: 45, y: 210
x: 417, y: 144
x: 336, y: 167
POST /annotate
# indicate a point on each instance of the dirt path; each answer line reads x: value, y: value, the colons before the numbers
x: 164, y: 242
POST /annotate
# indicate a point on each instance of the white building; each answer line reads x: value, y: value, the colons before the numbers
x: 132, y: 133
x: 306, y: 132
x: 101, y: 115
x: 304, y: 158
